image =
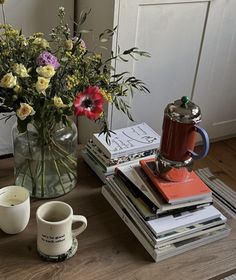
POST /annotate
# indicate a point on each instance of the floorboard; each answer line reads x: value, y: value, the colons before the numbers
x: 221, y: 160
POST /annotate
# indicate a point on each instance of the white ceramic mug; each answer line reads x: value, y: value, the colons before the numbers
x: 54, y: 234
x: 14, y: 209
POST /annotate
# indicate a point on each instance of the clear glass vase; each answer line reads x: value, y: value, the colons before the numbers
x: 46, y: 163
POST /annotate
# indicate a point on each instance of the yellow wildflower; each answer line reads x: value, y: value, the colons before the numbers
x: 106, y: 95
x: 98, y: 57
x: 72, y: 81
x: 8, y: 81
x: 46, y: 71
x: 58, y: 102
x: 38, y: 34
x: 24, y: 111
x: 23, y: 41
x: 68, y: 54
x: 68, y: 45
x: 11, y: 32
x: 41, y: 42
x: 82, y: 49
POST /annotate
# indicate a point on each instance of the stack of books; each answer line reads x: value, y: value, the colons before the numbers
x: 167, y: 218
x: 126, y: 145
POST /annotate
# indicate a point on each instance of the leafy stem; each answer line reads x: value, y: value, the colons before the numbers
x: 42, y: 170
x: 29, y: 164
x: 3, y: 15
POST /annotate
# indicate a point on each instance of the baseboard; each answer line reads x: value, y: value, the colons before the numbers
x: 213, y: 140
x: 6, y: 156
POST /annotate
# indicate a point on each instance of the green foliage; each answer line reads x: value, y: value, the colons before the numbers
x: 50, y: 100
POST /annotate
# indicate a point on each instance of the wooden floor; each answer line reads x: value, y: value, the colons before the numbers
x: 107, y: 249
x: 221, y: 160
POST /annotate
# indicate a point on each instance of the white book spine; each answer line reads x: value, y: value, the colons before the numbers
x: 111, y: 169
x: 170, y: 222
x: 111, y: 162
x: 177, y: 234
x: 132, y: 211
x: 130, y: 224
x: 94, y: 166
x: 168, y: 250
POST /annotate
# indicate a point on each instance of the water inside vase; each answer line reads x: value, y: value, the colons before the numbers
x: 46, y: 171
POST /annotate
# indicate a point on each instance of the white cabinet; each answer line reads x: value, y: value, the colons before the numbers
x: 193, y: 52
x: 31, y: 16
x: 215, y: 90
x: 172, y: 32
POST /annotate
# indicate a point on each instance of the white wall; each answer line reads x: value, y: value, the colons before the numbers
x: 31, y: 16
x: 99, y: 19
x: 36, y: 15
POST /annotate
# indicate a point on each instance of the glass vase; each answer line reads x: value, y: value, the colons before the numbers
x: 46, y: 161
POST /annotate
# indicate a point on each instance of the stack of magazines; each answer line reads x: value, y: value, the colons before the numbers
x: 166, y: 222
x: 125, y: 145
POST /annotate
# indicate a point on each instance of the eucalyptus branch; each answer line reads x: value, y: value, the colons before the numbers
x: 105, y: 127
x: 3, y: 14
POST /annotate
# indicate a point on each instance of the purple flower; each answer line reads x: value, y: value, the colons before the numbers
x: 46, y: 58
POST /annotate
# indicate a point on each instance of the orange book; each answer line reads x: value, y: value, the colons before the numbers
x: 176, y: 192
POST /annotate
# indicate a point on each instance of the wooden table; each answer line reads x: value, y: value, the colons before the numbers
x: 107, y: 249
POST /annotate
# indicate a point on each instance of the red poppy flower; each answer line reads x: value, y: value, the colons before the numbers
x: 89, y: 103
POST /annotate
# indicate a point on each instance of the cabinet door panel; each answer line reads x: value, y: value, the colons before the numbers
x: 215, y: 90
x: 172, y: 32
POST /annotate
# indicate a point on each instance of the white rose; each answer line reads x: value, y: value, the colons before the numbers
x: 20, y: 70
x: 42, y: 84
x: 24, y: 111
x: 46, y: 71
x: 8, y: 81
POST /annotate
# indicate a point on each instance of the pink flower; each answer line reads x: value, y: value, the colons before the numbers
x: 89, y: 103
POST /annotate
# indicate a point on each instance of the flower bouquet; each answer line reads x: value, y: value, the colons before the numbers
x: 43, y: 82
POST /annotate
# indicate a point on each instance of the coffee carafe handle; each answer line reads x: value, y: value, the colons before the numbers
x: 206, y: 144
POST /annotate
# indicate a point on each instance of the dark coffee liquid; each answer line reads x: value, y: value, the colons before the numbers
x: 177, y: 139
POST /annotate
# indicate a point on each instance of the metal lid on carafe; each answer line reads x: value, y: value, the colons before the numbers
x: 183, y: 111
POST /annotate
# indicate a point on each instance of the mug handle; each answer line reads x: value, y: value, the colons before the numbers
x: 83, y: 220
x: 206, y: 144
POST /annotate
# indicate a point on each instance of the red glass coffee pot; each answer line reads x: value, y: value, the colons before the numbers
x: 179, y: 131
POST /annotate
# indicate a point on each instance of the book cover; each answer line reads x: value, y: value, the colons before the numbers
x: 136, y: 178
x: 129, y: 140
x: 189, y: 190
